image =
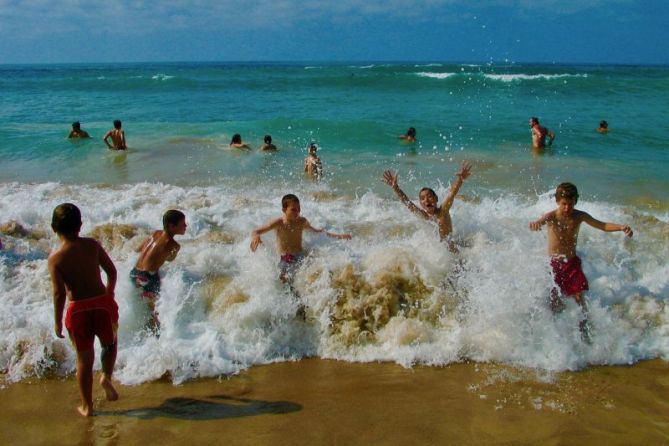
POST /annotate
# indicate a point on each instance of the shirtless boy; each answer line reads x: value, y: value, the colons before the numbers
x: 236, y: 142
x: 289, y: 228
x: 75, y: 272
x: 563, y: 224
x: 154, y: 252
x: 429, y: 200
x: 268, y: 146
x: 603, y: 127
x: 539, y: 134
x: 76, y: 131
x: 312, y: 163
x: 410, y: 135
x: 117, y: 136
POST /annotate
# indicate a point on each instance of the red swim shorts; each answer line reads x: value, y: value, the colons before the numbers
x: 97, y: 316
x: 568, y: 275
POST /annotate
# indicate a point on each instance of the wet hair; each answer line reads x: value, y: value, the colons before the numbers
x: 411, y: 131
x: 566, y: 190
x: 66, y: 219
x: 313, y: 146
x: 287, y: 199
x: 268, y: 139
x: 603, y: 124
x: 534, y: 120
x: 236, y: 139
x: 431, y: 191
x: 76, y: 125
x: 172, y: 217
x: 117, y: 124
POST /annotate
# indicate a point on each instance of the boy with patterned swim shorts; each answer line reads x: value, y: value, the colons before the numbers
x: 154, y: 252
x: 289, y: 228
x: 563, y: 224
x: 75, y: 271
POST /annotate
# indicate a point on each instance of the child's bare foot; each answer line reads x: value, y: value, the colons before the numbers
x: 110, y: 391
x: 85, y: 410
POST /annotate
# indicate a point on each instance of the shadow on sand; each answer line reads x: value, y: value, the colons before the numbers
x: 193, y: 409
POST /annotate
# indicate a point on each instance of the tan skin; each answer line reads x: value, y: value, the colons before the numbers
x: 75, y: 272
x: 155, y: 251
x: 539, y: 135
x: 289, y: 228
x: 563, y: 225
x: 428, y: 201
x: 118, y: 139
x: 78, y: 133
x: 312, y: 164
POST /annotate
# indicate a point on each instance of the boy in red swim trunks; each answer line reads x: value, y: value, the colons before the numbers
x: 563, y: 224
x: 75, y: 271
x: 289, y: 228
x: 154, y: 252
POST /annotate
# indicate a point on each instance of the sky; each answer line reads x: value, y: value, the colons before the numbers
x: 520, y: 31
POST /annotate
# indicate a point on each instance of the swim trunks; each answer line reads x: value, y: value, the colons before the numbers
x: 97, y: 316
x: 289, y: 264
x: 147, y: 281
x: 568, y: 275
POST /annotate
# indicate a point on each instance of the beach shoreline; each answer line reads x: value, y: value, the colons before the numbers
x: 317, y: 401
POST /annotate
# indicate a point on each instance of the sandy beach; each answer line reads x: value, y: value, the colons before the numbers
x: 330, y: 402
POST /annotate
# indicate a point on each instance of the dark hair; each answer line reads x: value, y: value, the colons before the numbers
x: 434, y: 194
x: 66, y: 219
x: 117, y: 124
x: 534, y: 120
x: 566, y: 190
x: 172, y: 217
x: 603, y: 124
x: 313, y: 146
x: 411, y: 131
x: 236, y: 139
x: 288, y: 199
x: 268, y: 139
x: 76, y: 125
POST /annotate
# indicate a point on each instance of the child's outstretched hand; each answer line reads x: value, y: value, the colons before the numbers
x: 255, y: 242
x: 390, y: 179
x: 465, y: 170
x: 535, y: 225
x: 627, y: 230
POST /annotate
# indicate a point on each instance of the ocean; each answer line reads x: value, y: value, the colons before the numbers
x: 392, y: 293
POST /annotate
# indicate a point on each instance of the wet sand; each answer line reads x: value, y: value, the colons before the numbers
x: 329, y: 402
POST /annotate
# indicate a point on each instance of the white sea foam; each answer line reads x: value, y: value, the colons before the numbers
x: 436, y: 75
x: 391, y: 294
x: 524, y: 77
x: 161, y: 77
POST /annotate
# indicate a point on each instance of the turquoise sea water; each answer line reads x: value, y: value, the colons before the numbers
x: 392, y: 293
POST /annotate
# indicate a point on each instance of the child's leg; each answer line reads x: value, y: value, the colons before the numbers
x: 85, y: 360
x: 584, y: 324
x: 108, y: 359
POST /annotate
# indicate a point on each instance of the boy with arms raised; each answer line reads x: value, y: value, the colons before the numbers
x: 154, y: 252
x: 75, y: 271
x: 289, y: 228
x: 429, y: 200
x: 563, y: 224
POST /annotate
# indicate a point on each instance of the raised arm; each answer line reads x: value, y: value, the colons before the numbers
x: 537, y: 224
x: 59, y: 295
x: 391, y: 180
x: 607, y: 227
x: 460, y: 177
x: 108, y: 267
x: 256, y: 233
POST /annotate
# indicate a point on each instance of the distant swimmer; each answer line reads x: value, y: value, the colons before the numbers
x: 268, y: 146
x: 92, y: 311
x: 562, y: 225
x: 539, y: 134
x: 236, y: 142
x: 603, y: 127
x: 117, y: 136
x: 409, y: 136
x: 154, y: 252
x: 312, y: 163
x: 429, y: 200
x: 76, y: 131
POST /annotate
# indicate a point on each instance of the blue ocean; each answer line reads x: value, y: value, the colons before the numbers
x: 392, y: 293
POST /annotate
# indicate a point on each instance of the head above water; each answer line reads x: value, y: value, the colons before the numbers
x: 66, y: 219
x: 172, y: 218
x: 313, y: 148
x: 534, y: 121
x: 76, y: 125
x: 288, y: 199
x: 268, y: 139
x: 117, y: 124
x: 236, y: 139
x: 566, y: 190
x: 411, y: 132
x: 603, y: 124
